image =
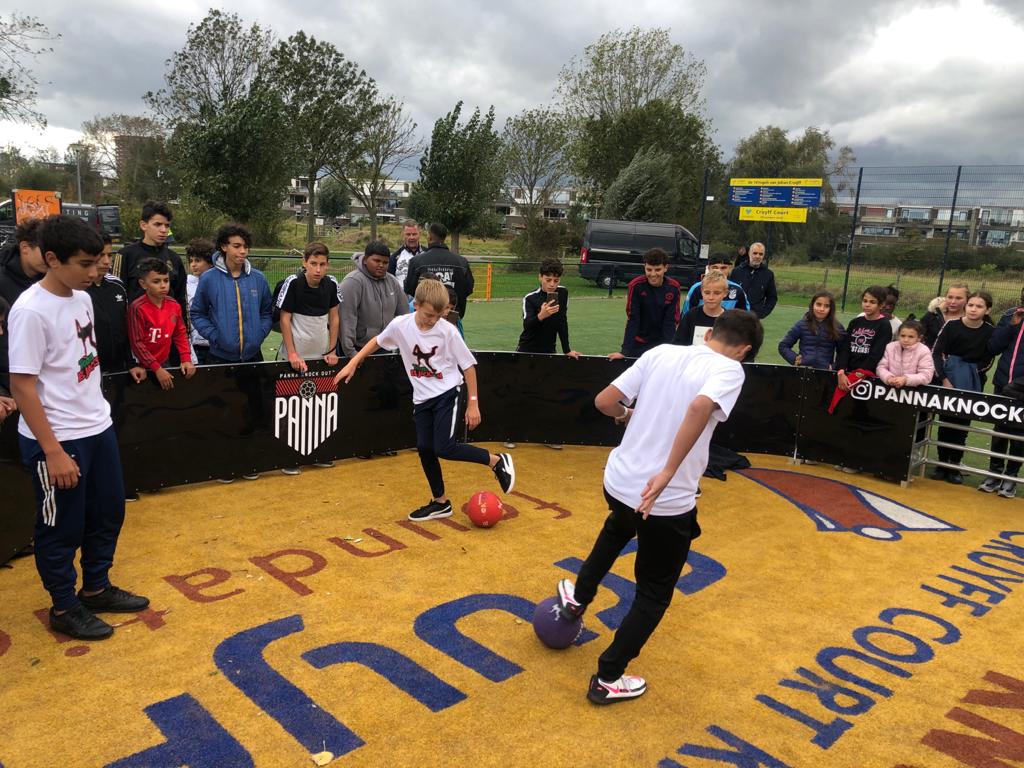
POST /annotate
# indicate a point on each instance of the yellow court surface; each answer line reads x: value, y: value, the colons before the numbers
x: 823, y: 620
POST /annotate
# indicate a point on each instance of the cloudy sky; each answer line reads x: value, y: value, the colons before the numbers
x: 908, y: 83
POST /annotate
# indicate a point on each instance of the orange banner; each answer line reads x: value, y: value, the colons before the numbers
x: 35, y: 204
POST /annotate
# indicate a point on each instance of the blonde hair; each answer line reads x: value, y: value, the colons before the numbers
x: 960, y: 286
x: 432, y: 292
x: 714, y: 277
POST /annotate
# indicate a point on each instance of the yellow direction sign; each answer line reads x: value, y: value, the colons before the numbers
x: 766, y: 182
x: 760, y: 213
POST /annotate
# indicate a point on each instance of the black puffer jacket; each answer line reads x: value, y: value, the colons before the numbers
x: 13, y: 282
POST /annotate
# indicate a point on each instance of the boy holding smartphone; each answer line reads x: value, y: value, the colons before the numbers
x: 545, y: 314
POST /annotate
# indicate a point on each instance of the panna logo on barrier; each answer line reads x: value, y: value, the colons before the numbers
x: 977, y: 406
x: 305, y: 411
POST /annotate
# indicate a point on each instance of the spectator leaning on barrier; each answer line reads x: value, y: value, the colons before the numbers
x: 1008, y: 380
x: 950, y: 308
x: 308, y: 302
x: 961, y: 357
x: 734, y: 299
x: 155, y: 223
x: 398, y: 262
x: 110, y: 303
x: 546, y: 313
x: 200, y: 258
x: 441, y: 264
x: 819, y: 334
x: 21, y: 265
x: 232, y: 308
x: 757, y: 281
x: 370, y: 299
x: 156, y: 326
x: 652, y: 307
x: 7, y: 404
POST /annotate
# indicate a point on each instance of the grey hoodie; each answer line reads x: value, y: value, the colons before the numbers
x: 367, y: 305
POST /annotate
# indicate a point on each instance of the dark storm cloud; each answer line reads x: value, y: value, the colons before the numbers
x: 791, y: 63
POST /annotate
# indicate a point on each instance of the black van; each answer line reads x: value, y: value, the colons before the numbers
x: 612, y: 252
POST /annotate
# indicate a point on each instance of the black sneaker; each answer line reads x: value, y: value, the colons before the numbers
x: 955, y: 477
x: 625, y: 688
x: 81, y: 624
x: 940, y: 473
x: 431, y: 511
x: 505, y: 471
x: 114, y: 600
x: 567, y: 604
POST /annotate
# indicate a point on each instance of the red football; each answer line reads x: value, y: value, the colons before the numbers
x: 484, y: 509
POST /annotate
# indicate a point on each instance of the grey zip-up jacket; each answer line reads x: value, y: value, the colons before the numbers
x: 367, y: 305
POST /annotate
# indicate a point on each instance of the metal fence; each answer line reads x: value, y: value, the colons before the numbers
x: 932, y: 225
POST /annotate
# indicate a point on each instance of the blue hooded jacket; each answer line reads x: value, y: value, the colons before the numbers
x: 232, y: 313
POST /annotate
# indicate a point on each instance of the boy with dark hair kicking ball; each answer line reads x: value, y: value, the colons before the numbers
x: 652, y: 307
x: 66, y: 436
x: 433, y: 352
x: 650, y: 481
x: 156, y: 326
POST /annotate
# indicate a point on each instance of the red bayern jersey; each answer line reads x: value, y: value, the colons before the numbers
x: 152, y: 330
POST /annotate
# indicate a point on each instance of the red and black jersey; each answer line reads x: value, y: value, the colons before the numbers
x: 152, y: 330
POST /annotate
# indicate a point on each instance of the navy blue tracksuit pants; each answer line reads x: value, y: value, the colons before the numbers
x: 86, y: 517
x: 436, y: 419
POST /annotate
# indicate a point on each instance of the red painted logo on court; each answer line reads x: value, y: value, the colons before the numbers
x: 834, y: 506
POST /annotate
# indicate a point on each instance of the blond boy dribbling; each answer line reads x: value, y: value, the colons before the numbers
x: 433, y: 353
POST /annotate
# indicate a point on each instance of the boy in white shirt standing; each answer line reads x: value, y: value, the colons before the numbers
x: 433, y: 352
x: 650, y: 481
x: 66, y: 435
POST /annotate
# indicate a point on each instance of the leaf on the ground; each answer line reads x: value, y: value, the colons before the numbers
x: 322, y: 758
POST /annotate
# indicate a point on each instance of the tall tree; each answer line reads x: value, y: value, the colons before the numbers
x: 327, y: 98
x: 769, y: 153
x: 131, y: 149
x: 218, y: 65
x: 386, y: 139
x: 605, y: 146
x: 239, y: 161
x: 21, y: 38
x: 533, y: 153
x: 460, y: 172
x: 333, y: 199
x: 625, y: 70
x: 227, y: 120
x: 643, y: 190
x: 536, y: 166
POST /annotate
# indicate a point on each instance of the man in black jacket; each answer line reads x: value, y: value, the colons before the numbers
x: 758, y: 282
x: 21, y: 264
x: 450, y: 268
x: 155, y: 223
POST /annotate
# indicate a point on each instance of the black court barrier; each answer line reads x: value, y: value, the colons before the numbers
x: 232, y: 420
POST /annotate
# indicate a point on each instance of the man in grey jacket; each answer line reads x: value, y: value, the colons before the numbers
x: 370, y: 298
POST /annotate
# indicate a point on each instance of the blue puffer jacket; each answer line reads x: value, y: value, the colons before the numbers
x: 232, y: 313
x: 817, y: 350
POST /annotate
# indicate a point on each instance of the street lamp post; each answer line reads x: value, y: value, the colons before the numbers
x: 77, y: 148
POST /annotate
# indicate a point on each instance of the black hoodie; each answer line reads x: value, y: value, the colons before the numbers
x: 13, y: 282
x: 135, y: 252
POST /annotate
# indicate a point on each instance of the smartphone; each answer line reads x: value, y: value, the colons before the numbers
x: 553, y: 297
x: 452, y: 316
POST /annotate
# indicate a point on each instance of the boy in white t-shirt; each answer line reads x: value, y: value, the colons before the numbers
x: 650, y: 481
x: 433, y: 352
x: 66, y: 436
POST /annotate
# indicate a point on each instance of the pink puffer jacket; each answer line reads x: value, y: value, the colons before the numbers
x: 915, y: 363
